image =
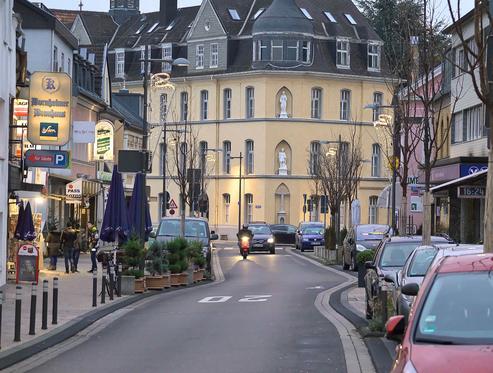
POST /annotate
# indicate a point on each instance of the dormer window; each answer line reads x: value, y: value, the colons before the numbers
x: 374, y: 51
x: 305, y: 51
x: 330, y: 17
x: 141, y: 28
x: 153, y: 27
x: 350, y: 18
x: 234, y: 14
x: 343, y: 55
x: 171, y: 25
x: 306, y: 14
x: 258, y: 13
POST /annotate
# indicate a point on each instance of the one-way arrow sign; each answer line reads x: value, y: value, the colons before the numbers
x: 47, y: 158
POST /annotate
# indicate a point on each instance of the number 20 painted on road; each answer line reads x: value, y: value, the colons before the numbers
x: 245, y: 299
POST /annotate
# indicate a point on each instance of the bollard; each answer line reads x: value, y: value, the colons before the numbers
x: 1, y: 306
x: 119, y: 281
x: 94, y: 288
x: 54, y: 319
x: 103, y: 290
x: 44, y: 316
x: 32, y: 314
x: 112, y: 280
x: 18, y: 306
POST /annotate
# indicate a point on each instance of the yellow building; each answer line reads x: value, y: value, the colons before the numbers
x: 272, y: 80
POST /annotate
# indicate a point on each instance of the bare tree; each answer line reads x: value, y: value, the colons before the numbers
x: 475, y: 66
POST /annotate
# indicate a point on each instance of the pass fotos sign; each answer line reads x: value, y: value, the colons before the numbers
x: 50, y: 101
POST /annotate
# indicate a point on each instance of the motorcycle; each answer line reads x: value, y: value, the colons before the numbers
x: 245, y: 246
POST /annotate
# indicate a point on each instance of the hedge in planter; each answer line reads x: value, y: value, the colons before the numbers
x: 133, y: 258
x: 157, y: 266
x: 178, y: 263
x: 361, y: 258
x: 196, y: 257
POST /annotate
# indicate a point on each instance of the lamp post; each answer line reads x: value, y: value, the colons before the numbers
x: 203, y: 165
x: 181, y: 62
x: 395, y: 147
x: 239, y: 191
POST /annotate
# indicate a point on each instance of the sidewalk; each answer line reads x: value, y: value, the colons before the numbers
x: 74, y: 299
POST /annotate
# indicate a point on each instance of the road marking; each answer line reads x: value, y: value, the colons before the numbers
x: 216, y: 299
x: 315, y: 287
x: 356, y: 354
x: 229, y: 248
x: 255, y: 298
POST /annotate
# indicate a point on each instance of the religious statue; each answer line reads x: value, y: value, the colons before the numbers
x: 283, y: 163
x: 284, y: 105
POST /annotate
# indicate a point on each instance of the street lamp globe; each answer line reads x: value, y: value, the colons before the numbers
x: 181, y: 62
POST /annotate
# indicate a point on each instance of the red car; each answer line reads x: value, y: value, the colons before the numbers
x: 450, y: 325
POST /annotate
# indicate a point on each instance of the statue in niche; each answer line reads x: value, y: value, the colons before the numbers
x: 283, y: 163
x: 284, y: 105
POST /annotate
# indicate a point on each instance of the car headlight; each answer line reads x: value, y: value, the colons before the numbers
x: 270, y: 240
x: 409, y: 368
x: 360, y: 247
x: 305, y: 240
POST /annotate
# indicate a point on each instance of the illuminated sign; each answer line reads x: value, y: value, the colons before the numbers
x: 74, y: 189
x: 50, y: 101
x: 103, y: 149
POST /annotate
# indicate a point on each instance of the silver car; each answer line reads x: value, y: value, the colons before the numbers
x: 417, y: 265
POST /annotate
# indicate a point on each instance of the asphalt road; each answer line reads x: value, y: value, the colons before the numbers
x: 262, y: 318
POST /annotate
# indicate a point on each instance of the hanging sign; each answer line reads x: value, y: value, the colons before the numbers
x: 74, y: 189
x: 103, y: 149
x: 50, y: 99
x: 84, y: 132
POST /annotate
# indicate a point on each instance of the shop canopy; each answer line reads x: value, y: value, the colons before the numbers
x: 460, y: 181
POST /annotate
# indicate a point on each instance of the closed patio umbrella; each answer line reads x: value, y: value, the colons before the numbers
x: 138, y: 203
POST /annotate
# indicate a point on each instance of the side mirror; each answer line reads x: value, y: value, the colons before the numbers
x: 369, y: 265
x: 214, y: 236
x: 398, y: 275
x: 410, y: 289
x: 153, y: 234
x: 389, y: 279
x: 394, y: 328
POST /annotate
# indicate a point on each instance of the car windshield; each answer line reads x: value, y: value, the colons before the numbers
x: 372, y: 232
x: 458, y: 310
x: 421, y: 262
x: 259, y: 229
x: 193, y: 228
x: 395, y: 254
x: 313, y: 230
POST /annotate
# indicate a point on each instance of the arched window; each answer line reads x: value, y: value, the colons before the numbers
x: 228, y: 95
x: 373, y: 210
x: 314, y: 165
x: 227, y: 204
x: 184, y: 106
x: 250, y: 102
x: 163, y: 107
x: 345, y: 105
x: 378, y: 102
x: 204, y: 105
x: 375, y: 160
x: 249, y: 159
x: 227, y: 157
x: 316, y: 103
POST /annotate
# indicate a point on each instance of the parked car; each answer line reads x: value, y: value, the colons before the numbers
x: 450, y: 327
x: 390, y: 257
x: 418, y: 264
x: 360, y: 238
x: 310, y: 235
x: 196, y: 229
x: 263, y: 238
x: 284, y: 234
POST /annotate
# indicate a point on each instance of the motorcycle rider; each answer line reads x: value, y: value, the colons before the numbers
x: 244, y: 233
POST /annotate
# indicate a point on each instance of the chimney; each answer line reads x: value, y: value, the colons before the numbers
x: 167, y: 11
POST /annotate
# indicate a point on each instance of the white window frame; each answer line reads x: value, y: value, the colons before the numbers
x: 258, y: 13
x: 249, y: 208
x: 227, y: 205
x: 120, y: 63
x: 375, y: 160
x: 163, y: 107
x: 343, y: 54
x: 263, y: 48
x: 204, y: 105
x: 330, y: 17
x: 250, y: 102
x: 308, y: 51
x: 55, y: 59
x: 374, y: 57
x: 199, y: 57
x: 142, y: 57
x: 184, y: 109
x: 373, y: 210
x: 472, y: 119
x: 316, y: 103
x: 345, y: 105
x: 350, y: 19
x: 306, y: 13
x: 250, y: 157
x: 214, y: 55
x: 166, y: 53
x: 276, y: 46
x: 233, y: 13
x: 314, y: 157
x: 295, y: 47
x: 227, y: 97
x: 227, y: 157
x: 378, y: 102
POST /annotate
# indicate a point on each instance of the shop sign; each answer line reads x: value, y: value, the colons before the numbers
x: 103, y: 149
x: 471, y: 169
x: 74, y: 189
x: 471, y: 191
x: 104, y: 176
x: 47, y: 158
x: 50, y: 96
x: 84, y: 132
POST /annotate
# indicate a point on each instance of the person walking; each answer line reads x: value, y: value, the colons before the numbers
x: 67, y: 240
x: 77, y: 246
x: 53, y: 245
x: 93, y: 241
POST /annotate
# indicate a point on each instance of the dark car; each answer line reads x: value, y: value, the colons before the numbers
x: 284, y: 234
x: 390, y: 257
x: 310, y: 235
x: 360, y: 238
x: 263, y: 239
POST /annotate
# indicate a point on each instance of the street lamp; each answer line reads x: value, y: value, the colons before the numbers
x: 180, y: 62
x: 239, y: 191
x: 385, y: 120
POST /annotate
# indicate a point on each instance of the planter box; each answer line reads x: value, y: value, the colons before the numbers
x: 198, y: 275
x: 157, y: 282
x: 140, y: 285
x: 128, y: 285
x: 179, y: 279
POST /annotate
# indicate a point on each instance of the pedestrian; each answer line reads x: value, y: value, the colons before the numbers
x: 53, y: 245
x: 67, y: 240
x: 93, y: 241
x: 77, y: 246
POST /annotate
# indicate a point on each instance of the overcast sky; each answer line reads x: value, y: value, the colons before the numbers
x: 152, y: 5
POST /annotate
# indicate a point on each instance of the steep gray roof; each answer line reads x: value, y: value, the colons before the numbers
x: 282, y: 16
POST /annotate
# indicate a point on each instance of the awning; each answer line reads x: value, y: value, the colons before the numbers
x: 469, y: 178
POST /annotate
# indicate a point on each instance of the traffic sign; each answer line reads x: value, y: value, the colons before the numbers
x: 171, y: 212
x: 172, y: 205
x: 47, y: 158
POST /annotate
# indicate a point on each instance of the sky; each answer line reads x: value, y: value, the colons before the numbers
x: 153, y: 5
